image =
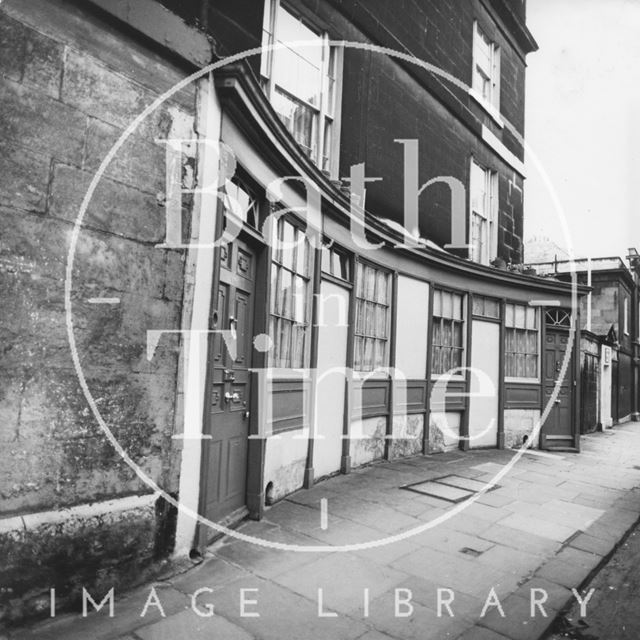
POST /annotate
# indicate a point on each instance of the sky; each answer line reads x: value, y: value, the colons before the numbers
x: 583, y: 124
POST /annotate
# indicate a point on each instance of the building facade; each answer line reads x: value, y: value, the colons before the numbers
x: 288, y: 265
x: 610, y: 323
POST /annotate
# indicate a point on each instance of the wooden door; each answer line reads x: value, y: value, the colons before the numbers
x: 558, y: 430
x: 225, y: 453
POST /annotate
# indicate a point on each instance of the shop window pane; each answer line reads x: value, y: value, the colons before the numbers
x: 457, y: 334
x: 531, y: 319
x: 288, y: 239
x: 437, y: 303
x: 286, y: 288
x: 519, y: 316
x: 491, y: 308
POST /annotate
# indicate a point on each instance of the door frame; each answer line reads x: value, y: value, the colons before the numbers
x: 574, y: 388
x: 254, y: 501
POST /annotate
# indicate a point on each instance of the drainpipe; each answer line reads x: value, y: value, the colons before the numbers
x: 634, y: 263
x: 589, y: 294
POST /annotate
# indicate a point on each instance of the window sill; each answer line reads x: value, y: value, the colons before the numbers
x: 360, y: 376
x: 523, y: 380
x: 455, y: 378
x: 488, y: 107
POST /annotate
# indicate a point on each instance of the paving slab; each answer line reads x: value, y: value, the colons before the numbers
x: 187, y: 625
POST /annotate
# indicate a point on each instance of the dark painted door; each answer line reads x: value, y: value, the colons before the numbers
x: 225, y: 460
x: 557, y: 431
x: 589, y: 393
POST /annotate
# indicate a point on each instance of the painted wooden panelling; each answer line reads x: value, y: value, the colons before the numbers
x: 521, y: 396
x: 410, y: 396
x: 371, y: 398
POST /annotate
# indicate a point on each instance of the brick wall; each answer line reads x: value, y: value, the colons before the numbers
x: 70, y: 84
x: 383, y: 101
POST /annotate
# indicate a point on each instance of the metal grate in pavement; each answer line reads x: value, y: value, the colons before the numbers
x: 451, y: 488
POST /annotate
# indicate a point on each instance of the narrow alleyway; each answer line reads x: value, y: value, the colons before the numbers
x: 543, y: 531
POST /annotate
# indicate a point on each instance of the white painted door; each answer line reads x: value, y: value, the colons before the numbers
x: 483, y: 402
x: 330, y: 389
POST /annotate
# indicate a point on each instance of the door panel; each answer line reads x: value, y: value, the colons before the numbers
x: 483, y: 408
x: 225, y: 453
x: 557, y: 431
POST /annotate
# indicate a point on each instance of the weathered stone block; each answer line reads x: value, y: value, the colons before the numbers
x: 12, y: 47
x: 99, y: 91
x: 36, y: 121
x: 43, y: 63
x: 25, y: 176
x: 138, y: 162
x: 114, y: 207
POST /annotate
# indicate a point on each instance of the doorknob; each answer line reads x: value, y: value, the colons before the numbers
x: 232, y: 397
x: 557, y: 401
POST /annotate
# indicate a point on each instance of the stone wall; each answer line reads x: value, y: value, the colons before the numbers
x: 70, y: 84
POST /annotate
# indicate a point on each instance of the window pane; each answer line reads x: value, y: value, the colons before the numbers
x: 300, y: 300
x: 285, y: 342
x: 275, y: 337
x: 520, y: 316
x: 437, y: 303
x: 357, y: 352
x: 509, y: 315
x: 275, y: 290
x: 457, y: 334
x: 478, y: 305
x: 298, y: 71
x: 447, y: 305
x: 531, y: 318
x: 520, y: 365
x: 491, y: 308
x: 359, y: 280
x: 288, y: 239
x: 381, y: 288
x: 457, y: 307
x: 286, y: 292
x: 368, y: 354
x: 326, y: 260
x: 370, y: 283
x: 437, y: 335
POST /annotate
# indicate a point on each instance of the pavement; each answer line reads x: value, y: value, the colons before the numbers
x: 612, y: 611
x: 502, y: 567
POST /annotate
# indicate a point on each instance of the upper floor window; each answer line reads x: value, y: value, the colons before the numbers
x: 371, y: 335
x: 290, y: 307
x: 521, y: 342
x: 301, y: 81
x: 448, y: 332
x: 486, y: 68
x: 484, y: 212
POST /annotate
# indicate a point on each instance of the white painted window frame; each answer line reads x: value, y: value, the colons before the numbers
x: 489, y: 213
x: 540, y: 320
x: 323, y: 113
x: 490, y: 103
